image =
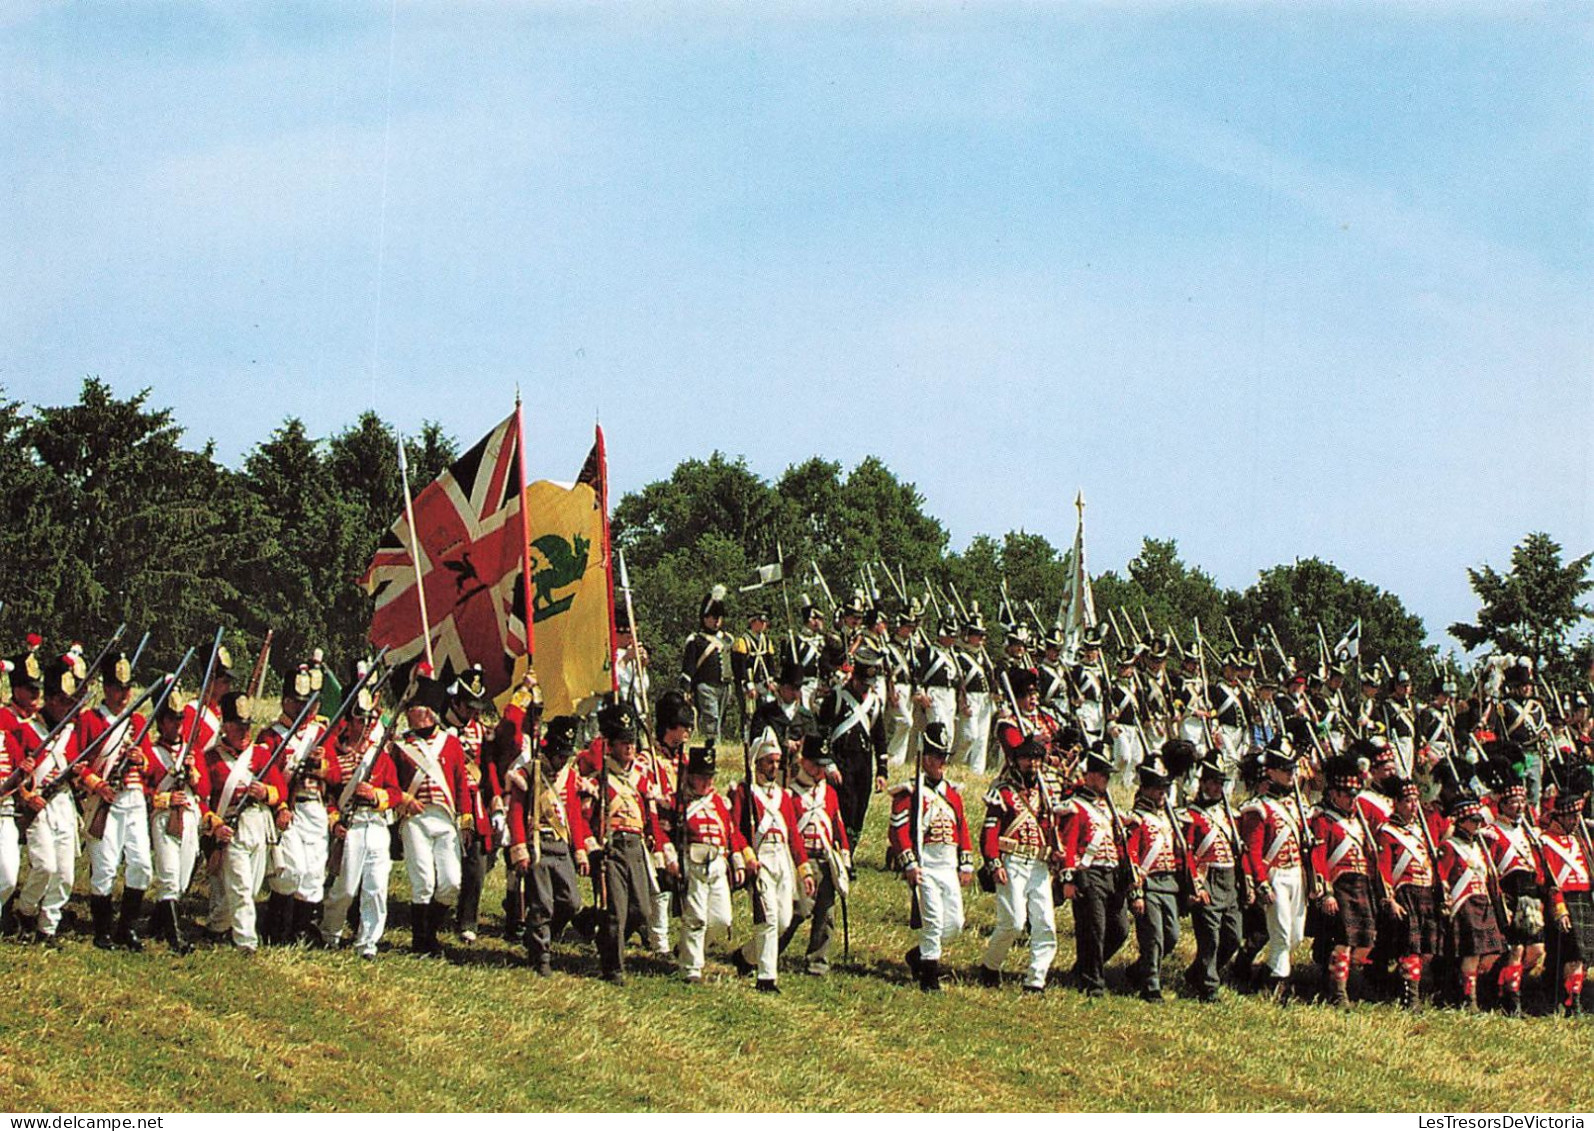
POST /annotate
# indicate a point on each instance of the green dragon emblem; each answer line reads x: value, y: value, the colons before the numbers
x: 556, y: 564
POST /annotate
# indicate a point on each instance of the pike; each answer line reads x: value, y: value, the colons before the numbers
x: 638, y: 700
x: 257, y: 678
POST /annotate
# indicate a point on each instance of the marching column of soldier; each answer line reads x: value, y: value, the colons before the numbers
x: 1439, y: 844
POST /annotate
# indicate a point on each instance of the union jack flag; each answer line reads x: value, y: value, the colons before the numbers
x: 471, y: 531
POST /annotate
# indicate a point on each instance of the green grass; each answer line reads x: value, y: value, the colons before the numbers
x: 302, y: 1030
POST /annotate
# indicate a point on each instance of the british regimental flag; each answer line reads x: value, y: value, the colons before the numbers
x: 470, y: 532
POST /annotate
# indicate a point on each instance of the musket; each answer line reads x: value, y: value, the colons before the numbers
x: 749, y: 830
x: 159, y: 687
x: 344, y: 708
x: 962, y: 609
x: 915, y: 832
x: 99, y: 661
x: 199, y: 704
x: 335, y: 853
x: 1314, y: 882
x: 257, y: 678
x: 139, y: 651
x: 1134, y: 633
x: 638, y: 700
x: 900, y: 590
x: 1206, y: 696
x: 825, y: 587
x: 1151, y: 633
x: 1235, y: 636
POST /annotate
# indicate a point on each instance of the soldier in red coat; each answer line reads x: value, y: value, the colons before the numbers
x: 179, y: 807
x: 1096, y: 872
x: 1514, y: 846
x: 548, y: 838
x: 1343, y: 858
x: 246, y: 787
x: 824, y: 835
x: 717, y: 859
x: 1019, y: 843
x: 1475, y: 935
x: 52, y: 835
x: 436, y: 795
x: 362, y: 792
x: 1213, y: 848
x: 117, y: 810
x: 1272, y: 828
x: 1158, y: 859
x: 1407, y: 866
x: 1567, y: 872
x: 936, y: 853
x: 467, y: 699
x: 767, y: 816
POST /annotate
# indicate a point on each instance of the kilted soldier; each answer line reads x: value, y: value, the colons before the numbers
x: 1090, y: 687
x: 1513, y: 844
x: 1411, y: 915
x: 1475, y: 935
x: 52, y: 838
x: 117, y: 810
x: 824, y: 836
x: 1097, y: 874
x: 1213, y: 848
x: 1158, y: 858
x: 901, y: 660
x: 548, y: 839
x: 431, y: 773
x: 938, y: 677
x: 1567, y: 870
x: 1374, y: 801
x: 1123, y: 715
x: 767, y: 816
x: 246, y: 787
x: 936, y: 853
x: 706, y: 665
x: 467, y: 699
x: 1343, y: 857
x: 976, y: 707
x: 1018, y: 842
x: 717, y: 859
x: 299, y: 861
x: 852, y: 720
x: 363, y: 791
x: 1271, y: 827
x: 630, y: 839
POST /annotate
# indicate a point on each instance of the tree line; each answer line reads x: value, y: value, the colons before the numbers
x: 109, y: 518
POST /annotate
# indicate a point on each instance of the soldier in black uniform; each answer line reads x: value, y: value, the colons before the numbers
x: 753, y: 665
x: 806, y: 648
x: 1052, y: 672
x: 1523, y: 722
x: 1400, y: 722
x: 706, y: 665
x: 852, y: 721
x: 786, y: 716
x: 1090, y: 688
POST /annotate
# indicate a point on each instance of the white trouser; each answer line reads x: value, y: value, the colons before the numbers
x: 126, y: 837
x: 10, y: 852
x: 707, y: 910
x: 940, y: 899
x: 300, y: 858
x: 174, y: 856
x: 899, y: 725
x: 943, y: 708
x: 244, y: 871
x: 974, y: 731
x: 1286, y: 919
x: 367, y: 867
x: 1403, y: 755
x: 1194, y: 731
x: 1232, y: 740
x: 52, y: 862
x: 1091, y: 718
x: 776, y: 891
x: 431, y: 856
x: 1127, y: 750
x: 1026, y: 899
x: 659, y: 925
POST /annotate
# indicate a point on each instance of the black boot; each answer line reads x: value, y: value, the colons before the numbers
x: 8, y: 917
x: 1511, y: 1003
x: 766, y: 986
x: 914, y: 961
x: 302, y: 928
x: 104, y: 917
x: 127, y: 925
x: 930, y: 975
x: 514, y: 916
x: 440, y: 916
x: 1410, y: 997
x: 421, y: 940
x: 990, y: 979
x: 277, y: 919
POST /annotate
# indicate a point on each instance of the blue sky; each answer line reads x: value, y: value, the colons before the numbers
x: 1274, y: 280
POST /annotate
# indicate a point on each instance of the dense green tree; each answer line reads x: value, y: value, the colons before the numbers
x: 1532, y: 609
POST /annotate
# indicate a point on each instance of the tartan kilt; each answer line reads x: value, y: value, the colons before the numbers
x: 1356, y: 925
x: 1474, y: 930
x: 1519, y: 887
x: 1578, y: 943
x: 1418, y: 932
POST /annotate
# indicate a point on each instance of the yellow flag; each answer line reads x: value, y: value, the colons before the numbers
x: 570, y: 594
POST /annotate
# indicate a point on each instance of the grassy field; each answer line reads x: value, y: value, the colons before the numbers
x: 306, y: 1030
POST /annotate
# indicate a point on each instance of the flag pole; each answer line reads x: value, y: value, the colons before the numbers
x: 525, y: 529
x: 608, y: 556
x: 415, y: 551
